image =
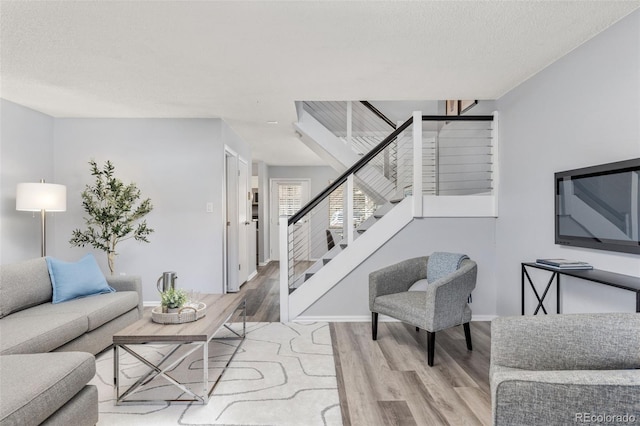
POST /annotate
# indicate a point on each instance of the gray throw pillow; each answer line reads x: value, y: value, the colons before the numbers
x: 420, y: 285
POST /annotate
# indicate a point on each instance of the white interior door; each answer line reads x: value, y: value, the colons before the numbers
x: 287, y: 197
x: 243, y: 221
x: 231, y: 222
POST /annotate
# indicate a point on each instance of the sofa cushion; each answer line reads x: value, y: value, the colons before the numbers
x: 23, y: 285
x: 102, y: 337
x: 71, y: 280
x: 99, y: 308
x: 406, y: 306
x: 34, y: 386
x: 81, y: 410
x: 27, y: 332
x: 102, y: 308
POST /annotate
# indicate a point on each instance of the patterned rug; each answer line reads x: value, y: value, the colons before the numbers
x: 283, y: 374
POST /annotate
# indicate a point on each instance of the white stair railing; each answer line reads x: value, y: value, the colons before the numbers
x: 446, y: 156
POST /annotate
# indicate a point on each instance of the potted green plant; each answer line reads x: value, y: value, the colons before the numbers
x: 173, y: 299
x: 114, y: 213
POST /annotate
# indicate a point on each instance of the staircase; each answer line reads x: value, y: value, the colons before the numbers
x: 342, y: 132
x: 377, y: 195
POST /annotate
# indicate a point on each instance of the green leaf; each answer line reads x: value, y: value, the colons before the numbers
x: 113, y: 211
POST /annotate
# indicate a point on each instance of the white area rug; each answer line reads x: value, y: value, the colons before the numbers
x: 283, y: 374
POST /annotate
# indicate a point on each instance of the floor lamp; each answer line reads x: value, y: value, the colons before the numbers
x: 42, y: 197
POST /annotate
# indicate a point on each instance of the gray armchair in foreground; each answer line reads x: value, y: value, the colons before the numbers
x: 566, y: 369
x: 438, y: 300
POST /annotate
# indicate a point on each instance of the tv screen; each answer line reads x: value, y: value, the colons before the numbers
x: 599, y: 207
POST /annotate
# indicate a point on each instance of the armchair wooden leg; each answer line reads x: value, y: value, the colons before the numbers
x: 467, y: 335
x: 374, y: 325
x: 417, y: 328
x: 431, y: 347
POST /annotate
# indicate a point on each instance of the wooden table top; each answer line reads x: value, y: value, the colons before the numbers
x: 219, y: 308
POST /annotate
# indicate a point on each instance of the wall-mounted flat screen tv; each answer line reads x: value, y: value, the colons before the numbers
x: 599, y: 207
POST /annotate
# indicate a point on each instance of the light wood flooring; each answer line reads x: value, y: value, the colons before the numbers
x: 388, y: 382
x: 263, y: 294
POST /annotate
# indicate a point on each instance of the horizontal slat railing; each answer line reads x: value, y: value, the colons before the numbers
x: 464, y: 157
x: 377, y: 112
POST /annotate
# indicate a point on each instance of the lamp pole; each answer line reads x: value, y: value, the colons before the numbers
x: 41, y: 197
x: 43, y: 230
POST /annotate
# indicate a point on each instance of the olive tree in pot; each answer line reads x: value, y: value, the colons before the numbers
x: 114, y: 213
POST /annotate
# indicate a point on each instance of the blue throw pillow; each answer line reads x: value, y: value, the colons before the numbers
x: 72, y: 280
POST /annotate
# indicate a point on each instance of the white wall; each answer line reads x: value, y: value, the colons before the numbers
x: 231, y: 139
x: 26, y: 152
x: 349, y: 300
x: 178, y: 163
x: 582, y: 110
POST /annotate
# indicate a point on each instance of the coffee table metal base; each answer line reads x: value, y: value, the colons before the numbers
x: 159, y: 369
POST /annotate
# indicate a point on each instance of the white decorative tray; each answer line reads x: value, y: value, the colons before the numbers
x: 185, y: 314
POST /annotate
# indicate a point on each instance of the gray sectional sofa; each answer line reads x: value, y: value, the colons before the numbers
x: 47, y: 350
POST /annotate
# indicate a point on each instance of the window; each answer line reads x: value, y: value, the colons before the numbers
x: 290, y: 197
x: 363, y: 207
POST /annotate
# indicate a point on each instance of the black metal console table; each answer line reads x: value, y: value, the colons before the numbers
x: 625, y: 282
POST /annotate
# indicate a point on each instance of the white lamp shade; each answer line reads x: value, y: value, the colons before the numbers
x: 41, y: 196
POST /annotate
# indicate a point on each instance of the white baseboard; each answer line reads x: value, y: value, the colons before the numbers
x: 265, y: 263
x: 252, y: 275
x: 483, y: 317
x: 152, y: 303
x: 367, y: 318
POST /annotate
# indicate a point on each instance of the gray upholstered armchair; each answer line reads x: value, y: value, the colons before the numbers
x: 566, y: 369
x: 429, y: 292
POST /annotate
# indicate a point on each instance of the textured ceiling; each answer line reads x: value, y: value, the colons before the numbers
x: 247, y: 62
